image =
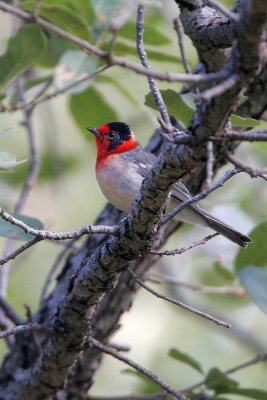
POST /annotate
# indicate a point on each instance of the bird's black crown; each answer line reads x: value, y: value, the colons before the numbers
x: 119, y: 133
x: 123, y: 129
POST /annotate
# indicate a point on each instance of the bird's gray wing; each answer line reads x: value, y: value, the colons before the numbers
x: 140, y: 160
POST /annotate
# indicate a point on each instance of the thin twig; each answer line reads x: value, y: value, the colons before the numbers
x: 30, y: 327
x: 55, y: 266
x: 209, y: 165
x: 119, y: 347
x: 10, y: 312
x: 114, y: 60
x: 34, y: 336
x: 35, y: 8
x: 202, y: 195
x: 106, y: 349
x: 152, y: 396
x: 144, y: 60
x: 5, y: 323
x: 217, y: 90
x: 255, y: 360
x: 252, y: 171
x: 179, y: 303
x: 37, y: 100
x: 223, y: 10
x: 30, y: 180
x: 178, y: 29
x: 235, y: 290
x: 34, y: 153
x: 249, y: 136
x: 42, y: 234
x: 123, y: 15
x: 21, y: 249
x: 184, y: 249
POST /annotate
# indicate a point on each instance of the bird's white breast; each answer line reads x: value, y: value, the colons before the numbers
x: 119, y: 184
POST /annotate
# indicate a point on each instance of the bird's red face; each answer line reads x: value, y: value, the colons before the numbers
x: 113, y: 138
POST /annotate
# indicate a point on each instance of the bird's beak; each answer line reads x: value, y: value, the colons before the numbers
x: 95, y: 132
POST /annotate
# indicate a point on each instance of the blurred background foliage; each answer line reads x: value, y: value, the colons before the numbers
x: 67, y: 196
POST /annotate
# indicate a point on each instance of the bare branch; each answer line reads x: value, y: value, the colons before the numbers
x: 179, y: 303
x: 202, y: 195
x: 224, y: 10
x: 249, y: 136
x: 42, y: 234
x: 252, y: 171
x: 255, y: 360
x: 152, y: 396
x: 184, y: 249
x: 21, y: 249
x: 10, y: 312
x: 219, y: 89
x: 209, y: 168
x: 37, y: 100
x: 30, y: 327
x: 123, y: 15
x: 105, y: 349
x: 235, y: 290
x: 55, y: 266
x: 178, y: 29
x: 114, y: 60
x: 144, y: 60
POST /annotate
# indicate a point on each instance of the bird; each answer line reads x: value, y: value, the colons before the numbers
x: 121, y: 166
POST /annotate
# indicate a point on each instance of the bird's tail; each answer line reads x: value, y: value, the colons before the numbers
x: 227, y: 231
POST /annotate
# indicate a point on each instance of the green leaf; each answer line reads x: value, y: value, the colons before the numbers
x: 8, y: 161
x: 236, y: 120
x: 189, y: 100
x: 83, y: 7
x: 62, y: 16
x: 225, y: 273
x: 73, y: 65
x: 23, y: 49
x: 255, y: 254
x: 56, y: 47
x: 105, y: 11
x: 52, y: 168
x: 186, y: 359
x: 216, y: 380
x: 14, y: 232
x: 257, y: 394
x: 5, y: 130
x: 152, y: 36
x: 254, y: 280
x: 177, y: 107
x: 90, y: 108
x: 118, y: 86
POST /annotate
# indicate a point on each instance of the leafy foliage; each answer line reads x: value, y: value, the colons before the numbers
x: 185, y: 358
x: 175, y: 103
x: 23, y: 49
x: 8, y: 161
x: 90, y: 105
x: 61, y: 14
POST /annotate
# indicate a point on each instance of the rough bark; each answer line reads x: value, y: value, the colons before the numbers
x: 94, y: 288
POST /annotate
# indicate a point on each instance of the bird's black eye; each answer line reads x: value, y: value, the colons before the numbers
x: 112, y: 135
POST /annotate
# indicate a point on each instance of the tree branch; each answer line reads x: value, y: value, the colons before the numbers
x: 42, y: 234
x: 112, y: 59
x: 180, y: 304
x: 175, y: 393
